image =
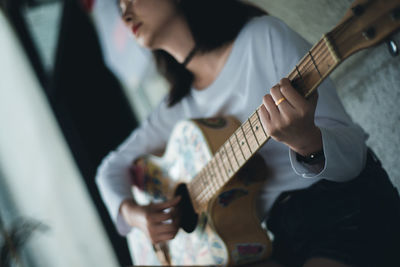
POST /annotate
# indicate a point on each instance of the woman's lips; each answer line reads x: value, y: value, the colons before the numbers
x: 136, y: 27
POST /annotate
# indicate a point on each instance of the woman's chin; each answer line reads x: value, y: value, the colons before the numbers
x: 144, y: 42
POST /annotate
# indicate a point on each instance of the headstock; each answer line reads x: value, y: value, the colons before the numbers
x: 366, y: 23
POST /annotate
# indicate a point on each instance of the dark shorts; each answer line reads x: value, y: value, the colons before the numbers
x: 356, y: 223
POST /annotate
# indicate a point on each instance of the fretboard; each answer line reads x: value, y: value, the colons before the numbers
x: 312, y: 69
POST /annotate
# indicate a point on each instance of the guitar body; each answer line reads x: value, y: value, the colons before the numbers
x: 228, y: 231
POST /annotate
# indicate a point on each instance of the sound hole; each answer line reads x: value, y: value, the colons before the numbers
x: 189, y: 217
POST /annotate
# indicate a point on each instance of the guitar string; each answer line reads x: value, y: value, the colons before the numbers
x: 301, y: 64
x: 196, y: 181
x: 336, y: 31
x: 248, y: 126
x: 206, y: 195
x: 319, y: 45
x: 201, y: 174
x: 207, y: 192
x: 252, y: 118
x: 211, y: 175
x: 308, y: 64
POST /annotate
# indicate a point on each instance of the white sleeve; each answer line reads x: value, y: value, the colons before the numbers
x: 343, y: 141
x: 113, y: 175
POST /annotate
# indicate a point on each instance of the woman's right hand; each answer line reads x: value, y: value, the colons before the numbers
x: 159, y: 221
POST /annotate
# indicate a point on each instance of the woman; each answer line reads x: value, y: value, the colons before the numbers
x: 219, y: 58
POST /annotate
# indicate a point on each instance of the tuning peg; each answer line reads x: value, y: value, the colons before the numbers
x: 393, y: 47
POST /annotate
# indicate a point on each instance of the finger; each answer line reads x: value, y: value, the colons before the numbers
x: 280, y: 101
x: 272, y: 109
x: 264, y: 117
x: 160, y: 217
x: 162, y: 228
x: 287, y: 90
x: 167, y: 204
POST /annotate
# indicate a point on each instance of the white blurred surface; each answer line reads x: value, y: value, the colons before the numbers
x: 39, y: 171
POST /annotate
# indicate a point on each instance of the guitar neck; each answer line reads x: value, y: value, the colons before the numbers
x: 312, y: 69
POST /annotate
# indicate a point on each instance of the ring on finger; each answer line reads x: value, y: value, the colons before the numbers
x: 279, y: 101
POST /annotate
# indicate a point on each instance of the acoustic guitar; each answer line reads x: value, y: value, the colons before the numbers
x: 204, y: 158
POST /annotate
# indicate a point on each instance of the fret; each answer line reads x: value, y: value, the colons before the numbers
x: 204, y: 181
x: 233, y: 152
x: 245, y: 148
x: 258, y: 128
x: 298, y: 72
x: 217, y: 172
x: 312, y: 69
x: 202, y: 185
x: 240, y: 146
x: 231, y: 156
x: 205, y: 195
x: 250, y: 137
x: 258, y: 132
x: 221, y: 167
x: 221, y: 176
x: 212, y: 181
x: 260, y: 124
x: 238, y: 150
x: 298, y: 82
x: 207, y: 183
x: 252, y: 129
x: 315, y: 65
x: 197, y: 185
x: 200, y: 191
x: 226, y: 161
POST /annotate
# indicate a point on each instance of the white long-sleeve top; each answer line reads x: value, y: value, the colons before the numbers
x: 265, y: 51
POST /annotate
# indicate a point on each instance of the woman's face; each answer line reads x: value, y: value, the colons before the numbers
x: 149, y: 19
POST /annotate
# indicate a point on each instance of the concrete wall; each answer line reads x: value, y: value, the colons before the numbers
x: 368, y: 82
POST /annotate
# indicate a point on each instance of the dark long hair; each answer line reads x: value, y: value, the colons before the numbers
x: 213, y: 24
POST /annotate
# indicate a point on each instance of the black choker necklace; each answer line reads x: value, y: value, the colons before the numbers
x: 190, y: 56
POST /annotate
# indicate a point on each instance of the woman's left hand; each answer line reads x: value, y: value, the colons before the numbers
x: 289, y: 118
